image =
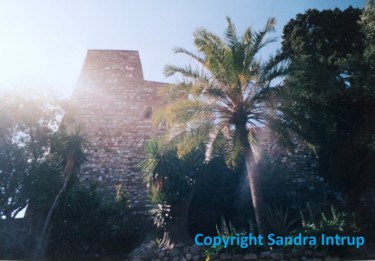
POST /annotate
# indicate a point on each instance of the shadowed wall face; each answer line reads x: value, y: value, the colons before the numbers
x: 113, y: 104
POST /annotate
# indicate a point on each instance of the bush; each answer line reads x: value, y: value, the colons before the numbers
x: 341, y: 223
x: 89, y: 225
x: 228, y: 230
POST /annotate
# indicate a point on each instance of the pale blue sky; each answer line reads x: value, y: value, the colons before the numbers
x: 45, y: 42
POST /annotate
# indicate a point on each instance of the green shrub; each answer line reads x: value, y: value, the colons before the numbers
x: 279, y: 221
x: 228, y: 230
x: 341, y: 223
x: 90, y: 225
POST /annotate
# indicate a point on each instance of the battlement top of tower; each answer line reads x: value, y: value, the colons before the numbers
x: 122, y: 61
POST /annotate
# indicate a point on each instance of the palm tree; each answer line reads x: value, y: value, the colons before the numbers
x: 70, y: 156
x: 222, y: 99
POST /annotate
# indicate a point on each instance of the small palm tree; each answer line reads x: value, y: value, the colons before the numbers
x: 221, y: 100
x: 70, y: 157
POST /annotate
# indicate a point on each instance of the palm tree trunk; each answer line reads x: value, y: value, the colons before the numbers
x: 45, y: 231
x: 177, y: 229
x: 255, y: 184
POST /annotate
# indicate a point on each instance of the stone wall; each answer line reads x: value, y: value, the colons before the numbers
x: 297, y: 172
x: 113, y: 104
x: 151, y: 252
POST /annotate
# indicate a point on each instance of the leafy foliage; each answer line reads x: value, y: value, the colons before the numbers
x: 161, y: 214
x: 27, y: 123
x: 86, y: 225
x: 221, y: 98
x: 328, y: 97
x: 36, y: 162
x: 227, y: 230
x: 188, y: 190
x: 222, y: 93
x: 335, y: 223
x: 279, y: 220
x: 169, y: 176
x: 368, y: 27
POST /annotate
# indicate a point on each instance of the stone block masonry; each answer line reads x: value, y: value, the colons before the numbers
x: 113, y: 104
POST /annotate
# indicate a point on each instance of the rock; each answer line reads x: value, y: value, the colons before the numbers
x: 189, y: 256
x: 308, y: 252
x: 320, y: 253
x: 297, y: 252
x: 332, y: 258
x: 250, y: 256
x: 195, y: 249
x: 175, y: 252
x: 277, y: 255
x: 186, y: 249
x: 140, y: 258
x: 225, y: 256
x: 161, y: 254
x: 237, y: 257
x: 176, y: 258
x: 152, y: 245
x: 265, y: 255
x: 196, y: 257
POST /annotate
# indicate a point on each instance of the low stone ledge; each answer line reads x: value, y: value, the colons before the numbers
x: 148, y: 252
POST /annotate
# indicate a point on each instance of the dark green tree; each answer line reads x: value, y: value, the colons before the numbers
x: 327, y: 99
x: 13, y: 170
x: 368, y: 27
x: 28, y: 120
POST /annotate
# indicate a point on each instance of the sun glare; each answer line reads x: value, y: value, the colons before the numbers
x: 28, y: 60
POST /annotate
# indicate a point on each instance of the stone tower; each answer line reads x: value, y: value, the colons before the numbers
x: 113, y: 104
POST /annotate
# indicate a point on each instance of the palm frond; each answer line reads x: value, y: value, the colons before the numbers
x: 188, y: 138
x: 196, y: 57
x: 213, y: 138
x: 259, y: 40
x: 217, y: 55
x: 275, y: 67
x: 227, y: 89
x: 174, y: 92
x: 231, y: 35
x: 187, y: 71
